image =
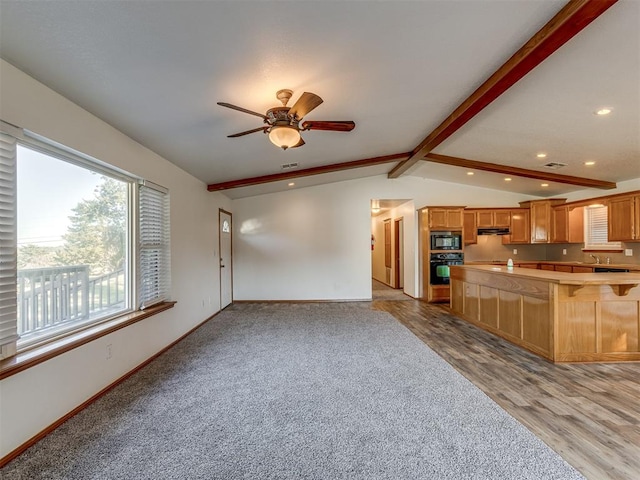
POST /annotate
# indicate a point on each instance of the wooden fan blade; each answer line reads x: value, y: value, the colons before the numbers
x: 259, y: 129
x: 339, y: 126
x: 299, y: 144
x: 306, y: 103
x: 240, y: 109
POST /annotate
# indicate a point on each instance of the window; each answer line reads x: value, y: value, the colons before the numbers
x: 595, y: 229
x: 67, y: 225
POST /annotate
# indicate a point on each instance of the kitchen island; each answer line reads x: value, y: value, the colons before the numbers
x: 564, y: 317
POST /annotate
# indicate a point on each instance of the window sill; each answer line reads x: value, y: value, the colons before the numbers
x: 35, y: 356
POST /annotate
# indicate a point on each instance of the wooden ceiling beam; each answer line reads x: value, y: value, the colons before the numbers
x: 306, y: 172
x: 568, y: 22
x: 519, y: 172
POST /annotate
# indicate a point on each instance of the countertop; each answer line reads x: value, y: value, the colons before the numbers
x: 630, y: 266
x: 562, y: 278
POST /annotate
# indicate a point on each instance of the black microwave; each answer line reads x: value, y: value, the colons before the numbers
x: 446, y: 241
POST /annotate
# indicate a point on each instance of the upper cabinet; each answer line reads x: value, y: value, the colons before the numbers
x: 517, y: 220
x: 560, y: 224
x: 520, y: 227
x: 493, y: 218
x: 470, y: 233
x: 624, y: 218
x: 541, y: 218
x: 576, y: 225
x: 446, y: 218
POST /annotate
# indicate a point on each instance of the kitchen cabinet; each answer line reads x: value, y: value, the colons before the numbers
x: 431, y: 221
x: 624, y: 218
x: 540, y: 216
x: 445, y: 218
x: 493, y: 218
x: 560, y: 230
x: 576, y: 225
x: 470, y: 232
x: 581, y: 269
x: 520, y: 227
x: 568, y: 224
x: 563, y: 268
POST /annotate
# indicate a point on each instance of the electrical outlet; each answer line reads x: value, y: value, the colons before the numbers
x: 109, y: 352
x: 515, y: 251
x: 564, y: 251
x: 628, y: 252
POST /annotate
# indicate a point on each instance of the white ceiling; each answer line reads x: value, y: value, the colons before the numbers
x: 156, y: 69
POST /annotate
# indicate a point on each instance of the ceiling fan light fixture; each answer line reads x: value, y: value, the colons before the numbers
x: 284, y: 136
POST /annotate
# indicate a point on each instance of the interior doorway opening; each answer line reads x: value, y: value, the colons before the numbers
x: 392, y: 249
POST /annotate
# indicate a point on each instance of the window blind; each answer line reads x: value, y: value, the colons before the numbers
x: 154, y: 267
x: 596, y: 235
x: 8, y: 249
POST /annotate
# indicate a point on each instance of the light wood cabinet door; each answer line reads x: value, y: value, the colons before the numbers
x: 624, y: 218
x: 621, y: 219
x: 637, y: 217
x: 520, y: 225
x: 576, y: 225
x: 540, y: 222
x: 470, y: 234
x: 560, y: 230
x: 502, y: 218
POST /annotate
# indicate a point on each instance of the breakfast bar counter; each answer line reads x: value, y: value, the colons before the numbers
x: 564, y: 317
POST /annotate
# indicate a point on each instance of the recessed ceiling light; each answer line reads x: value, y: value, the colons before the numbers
x: 541, y: 155
x: 291, y: 184
x: 508, y: 179
x: 589, y: 163
x: 603, y: 111
x: 544, y: 184
x: 469, y: 173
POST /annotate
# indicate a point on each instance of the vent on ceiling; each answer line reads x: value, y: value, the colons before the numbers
x: 555, y: 165
x: 289, y: 166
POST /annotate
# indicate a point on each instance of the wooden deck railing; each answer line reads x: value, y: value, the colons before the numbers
x: 49, y: 297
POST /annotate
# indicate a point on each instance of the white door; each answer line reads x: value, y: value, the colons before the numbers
x: 226, y: 267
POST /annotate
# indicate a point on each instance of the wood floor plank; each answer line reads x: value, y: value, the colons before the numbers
x: 588, y: 413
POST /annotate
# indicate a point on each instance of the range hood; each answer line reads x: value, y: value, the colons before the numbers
x: 494, y: 231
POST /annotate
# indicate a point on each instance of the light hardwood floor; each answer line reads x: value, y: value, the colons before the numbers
x: 588, y: 413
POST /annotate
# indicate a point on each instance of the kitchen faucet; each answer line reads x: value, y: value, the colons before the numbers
x: 596, y: 257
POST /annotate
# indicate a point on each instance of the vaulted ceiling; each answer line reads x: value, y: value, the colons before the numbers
x: 403, y: 71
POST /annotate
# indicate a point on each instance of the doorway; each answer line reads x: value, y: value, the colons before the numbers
x: 391, y: 220
x: 398, y: 261
x: 226, y: 260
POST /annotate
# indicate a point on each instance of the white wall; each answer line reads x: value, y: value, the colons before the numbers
x: 314, y: 243
x: 35, y: 398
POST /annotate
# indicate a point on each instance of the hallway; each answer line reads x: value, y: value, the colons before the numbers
x: 380, y: 291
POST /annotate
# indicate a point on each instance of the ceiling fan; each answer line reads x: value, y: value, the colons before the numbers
x: 284, y: 124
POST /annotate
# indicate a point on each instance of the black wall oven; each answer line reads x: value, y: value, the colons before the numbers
x: 439, y: 266
x: 446, y: 241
